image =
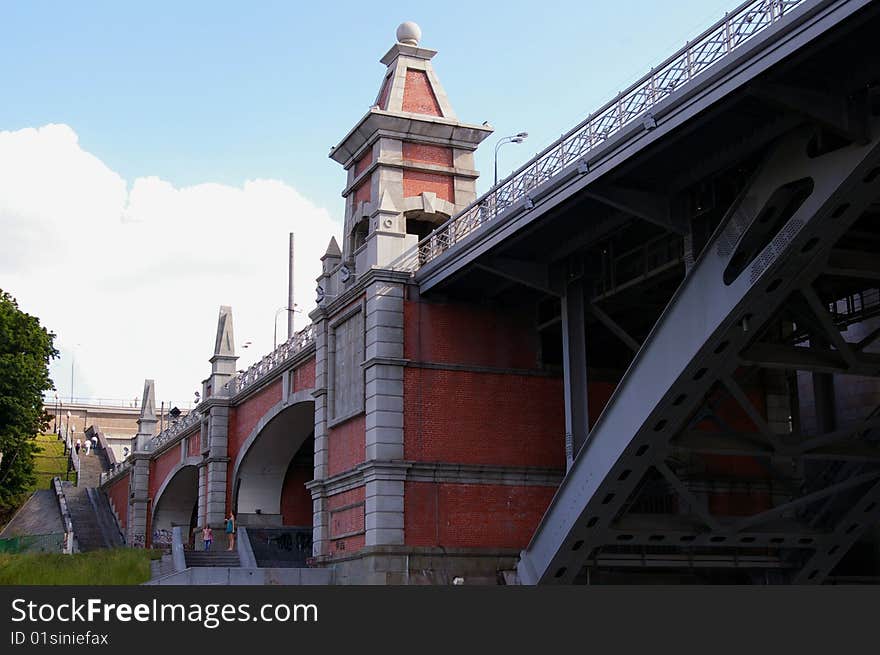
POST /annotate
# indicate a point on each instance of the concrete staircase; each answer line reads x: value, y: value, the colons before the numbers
x: 90, y: 468
x: 212, y: 558
x: 93, y: 522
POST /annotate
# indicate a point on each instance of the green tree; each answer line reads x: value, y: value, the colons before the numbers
x: 26, y: 349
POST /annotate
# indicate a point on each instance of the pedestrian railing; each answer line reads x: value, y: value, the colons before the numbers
x: 627, y: 109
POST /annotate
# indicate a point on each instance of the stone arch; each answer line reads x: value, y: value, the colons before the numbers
x: 176, y: 500
x: 425, y: 212
x: 262, y: 465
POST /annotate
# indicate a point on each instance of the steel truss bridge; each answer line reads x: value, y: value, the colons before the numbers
x: 712, y: 231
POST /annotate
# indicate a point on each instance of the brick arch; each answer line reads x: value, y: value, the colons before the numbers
x: 262, y: 461
x: 176, y: 507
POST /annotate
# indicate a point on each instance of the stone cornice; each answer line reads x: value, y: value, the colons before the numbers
x: 440, y: 472
x: 450, y: 130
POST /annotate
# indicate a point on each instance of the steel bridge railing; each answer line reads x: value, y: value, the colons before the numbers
x: 735, y: 29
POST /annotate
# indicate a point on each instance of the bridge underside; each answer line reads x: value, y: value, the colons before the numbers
x: 725, y: 278
x: 176, y: 506
x: 269, y: 480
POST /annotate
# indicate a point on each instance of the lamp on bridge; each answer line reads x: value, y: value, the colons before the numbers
x: 514, y: 138
x: 292, y: 310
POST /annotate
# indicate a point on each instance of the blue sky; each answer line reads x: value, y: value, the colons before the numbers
x: 228, y: 91
x: 159, y: 152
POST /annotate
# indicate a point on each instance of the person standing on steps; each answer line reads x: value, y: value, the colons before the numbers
x: 208, y: 537
x: 230, y: 532
x: 78, y: 446
x: 88, y: 445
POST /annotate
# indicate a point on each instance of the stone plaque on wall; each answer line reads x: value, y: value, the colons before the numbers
x: 348, y: 375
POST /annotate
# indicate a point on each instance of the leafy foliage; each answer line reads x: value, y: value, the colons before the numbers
x: 26, y: 348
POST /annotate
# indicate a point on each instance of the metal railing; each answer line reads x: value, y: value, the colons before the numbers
x: 631, y: 105
x: 294, y: 345
x: 119, y: 403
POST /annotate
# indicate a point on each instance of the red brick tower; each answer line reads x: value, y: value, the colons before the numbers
x: 438, y: 437
x: 409, y: 160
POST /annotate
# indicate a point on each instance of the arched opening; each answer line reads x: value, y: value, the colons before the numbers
x: 421, y: 223
x: 273, y: 469
x: 176, y: 505
x: 359, y: 233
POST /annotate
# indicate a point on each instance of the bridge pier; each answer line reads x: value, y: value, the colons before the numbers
x: 216, y: 466
x: 138, y: 516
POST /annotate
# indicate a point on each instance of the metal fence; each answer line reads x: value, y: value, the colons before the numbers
x: 629, y: 107
x: 38, y: 543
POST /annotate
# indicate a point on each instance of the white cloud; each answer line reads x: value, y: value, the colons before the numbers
x: 131, y: 278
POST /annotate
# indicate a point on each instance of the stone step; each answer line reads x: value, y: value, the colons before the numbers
x: 93, y: 523
x: 212, y: 558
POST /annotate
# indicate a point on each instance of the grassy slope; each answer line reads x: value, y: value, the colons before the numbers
x: 121, y: 566
x: 49, y: 461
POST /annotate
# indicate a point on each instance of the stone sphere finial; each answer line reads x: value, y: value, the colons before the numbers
x: 409, y: 33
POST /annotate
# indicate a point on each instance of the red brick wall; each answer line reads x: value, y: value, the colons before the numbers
x: 117, y: 494
x: 363, y: 191
x: 416, y: 182
x: 418, y: 97
x: 511, y: 420
x: 427, y: 154
x: 346, y: 521
x: 296, y: 501
x: 472, y: 515
x: 738, y: 503
x: 193, y: 446
x: 303, y: 377
x: 244, y: 418
x: 361, y: 164
x: 730, y: 412
x: 598, y: 394
x: 161, y: 467
x: 346, y: 445
x: 434, y: 333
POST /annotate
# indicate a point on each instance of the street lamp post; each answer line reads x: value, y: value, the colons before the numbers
x: 292, y: 310
x: 514, y: 138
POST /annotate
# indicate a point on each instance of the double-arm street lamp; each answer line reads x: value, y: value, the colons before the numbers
x: 514, y: 138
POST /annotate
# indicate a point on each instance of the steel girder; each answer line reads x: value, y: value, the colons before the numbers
x: 697, y: 344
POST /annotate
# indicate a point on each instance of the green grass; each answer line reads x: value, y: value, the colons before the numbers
x: 120, y: 566
x: 49, y: 461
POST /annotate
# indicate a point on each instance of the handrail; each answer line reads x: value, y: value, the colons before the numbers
x: 736, y: 28
x: 70, y: 544
x: 64, y: 402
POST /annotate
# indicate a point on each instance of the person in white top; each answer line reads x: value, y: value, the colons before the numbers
x: 88, y: 445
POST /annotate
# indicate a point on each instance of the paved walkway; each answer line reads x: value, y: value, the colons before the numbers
x: 39, y: 515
